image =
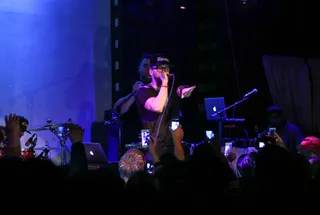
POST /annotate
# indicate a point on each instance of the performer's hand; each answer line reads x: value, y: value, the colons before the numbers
x: 164, y: 78
x: 12, y: 124
x: 177, y: 134
x: 136, y: 86
x: 76, y: 133
x: 186, y: 92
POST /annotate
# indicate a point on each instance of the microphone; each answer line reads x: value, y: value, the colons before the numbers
x: 29, y: 141
x: 254, y: 91
x: 34, y: 142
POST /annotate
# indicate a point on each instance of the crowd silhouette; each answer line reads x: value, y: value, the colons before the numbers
x: 272, y: 177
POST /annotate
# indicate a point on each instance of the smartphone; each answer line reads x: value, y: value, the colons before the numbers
x: 272, y: 132
x: 174, y: 124
x: 145, y: 137
x: 209, y: 134
x: 150, y: 168
x: 261, y: 145
x: 227, y: 148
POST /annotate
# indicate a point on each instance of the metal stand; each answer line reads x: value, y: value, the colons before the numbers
x: 221, y: 116
x: 64, y: 148
x: 44, y: 154
x: 63, y: 135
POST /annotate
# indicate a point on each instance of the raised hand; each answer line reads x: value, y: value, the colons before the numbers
x: 186, y: 92
x: 164, y: 78
x: 279, y: 141
x: 76, y: 133
x: 231, y: 156
x: 12, y: 124
x: 177, y: 134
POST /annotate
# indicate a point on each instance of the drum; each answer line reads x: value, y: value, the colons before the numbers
x: 27, y: 154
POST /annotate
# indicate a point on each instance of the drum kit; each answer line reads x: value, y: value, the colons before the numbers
x: 61, y: 131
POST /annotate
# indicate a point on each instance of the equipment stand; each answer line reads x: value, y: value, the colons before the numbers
x: 63, y: 138
x: 221, y: 116
x: 44, y: 154
x: 63, y: 151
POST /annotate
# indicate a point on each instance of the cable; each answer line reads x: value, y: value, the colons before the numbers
x: 232, y: 48
x: 165, y: 107
x: 235, y: 67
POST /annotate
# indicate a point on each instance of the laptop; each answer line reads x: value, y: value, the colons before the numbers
x: 214, y: 105
x: 95, y: 153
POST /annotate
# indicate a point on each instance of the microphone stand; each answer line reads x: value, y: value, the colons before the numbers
x: 222, y: 118
x: 44, y: 154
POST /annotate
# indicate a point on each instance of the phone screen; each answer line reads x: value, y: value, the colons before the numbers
x: 174, y: 124
x: 272, y: 132
x: 261, y: 145
x: 227, y: 148
x: 209, y: 134
x: 145, y: 137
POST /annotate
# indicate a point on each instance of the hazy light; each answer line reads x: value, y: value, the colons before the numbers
x: 182, y: 7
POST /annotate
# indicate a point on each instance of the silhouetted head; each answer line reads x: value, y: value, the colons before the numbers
x: 275, y: 116
x: 144, y: 68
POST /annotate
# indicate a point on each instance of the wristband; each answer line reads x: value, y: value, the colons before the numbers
x: 164, y: 86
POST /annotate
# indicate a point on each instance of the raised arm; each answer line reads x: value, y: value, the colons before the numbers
x: 154, y: 104
x: 126, y: 102
x: 185, y: 91
x: 13, y: 131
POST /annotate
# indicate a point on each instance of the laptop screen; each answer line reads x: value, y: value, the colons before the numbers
x: 95, y: 153
x: 214, y: 105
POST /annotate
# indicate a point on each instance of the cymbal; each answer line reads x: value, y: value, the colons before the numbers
x: 49, y: 127
x: 46, y: 147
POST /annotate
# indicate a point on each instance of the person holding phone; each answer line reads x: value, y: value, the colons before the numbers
x: 153, y: 99
x: 285, y: 134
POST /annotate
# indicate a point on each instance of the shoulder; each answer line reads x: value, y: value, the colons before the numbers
x: 292, y: 127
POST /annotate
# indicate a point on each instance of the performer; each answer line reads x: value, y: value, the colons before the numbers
x: 123, y: 104
x: 130, y: 121
x: 152, y: 100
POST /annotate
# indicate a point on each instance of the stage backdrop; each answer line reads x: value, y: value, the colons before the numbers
x: 55, y: 62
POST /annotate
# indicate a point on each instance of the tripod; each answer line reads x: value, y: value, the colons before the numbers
x: 62, y: 133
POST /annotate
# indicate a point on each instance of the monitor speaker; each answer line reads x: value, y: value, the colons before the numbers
x: 109, y: 136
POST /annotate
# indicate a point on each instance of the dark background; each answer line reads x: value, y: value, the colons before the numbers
x: 218, y: 46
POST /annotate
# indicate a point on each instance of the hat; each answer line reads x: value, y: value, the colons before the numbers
x: 311, y: 144
x: 159, y: 60
x: 23, y: 124
x: 273, y: 109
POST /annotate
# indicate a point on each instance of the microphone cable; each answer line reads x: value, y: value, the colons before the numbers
x: 165, y: 107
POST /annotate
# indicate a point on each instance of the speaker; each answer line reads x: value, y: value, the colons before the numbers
x: 109, y: 136
x: 114, y: 141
